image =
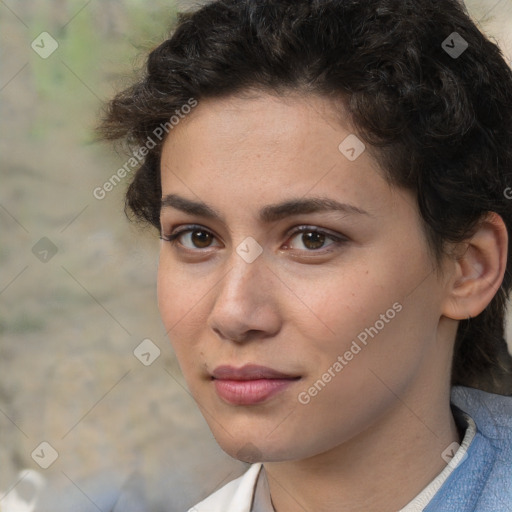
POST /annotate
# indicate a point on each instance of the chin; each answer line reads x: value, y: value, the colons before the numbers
x: 253, y: 449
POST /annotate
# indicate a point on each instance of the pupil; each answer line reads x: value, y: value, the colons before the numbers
x: 313, y: 240
x: 203, y: 240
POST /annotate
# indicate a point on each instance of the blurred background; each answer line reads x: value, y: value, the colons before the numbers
x: 87, y: 412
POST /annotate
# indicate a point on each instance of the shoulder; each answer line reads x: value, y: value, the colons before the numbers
x: 235, y: 496
x: 483, y: 481
x: 492, y: 414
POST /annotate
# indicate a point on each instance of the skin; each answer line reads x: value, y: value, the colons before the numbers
x: 372, y: 439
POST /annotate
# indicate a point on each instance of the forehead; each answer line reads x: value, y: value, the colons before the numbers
x: 252, y: 119
x: 261, y: 148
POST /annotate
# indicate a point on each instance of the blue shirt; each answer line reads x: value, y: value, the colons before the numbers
x: 482, y: 482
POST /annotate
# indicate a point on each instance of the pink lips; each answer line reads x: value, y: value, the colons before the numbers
x: 250, y: 384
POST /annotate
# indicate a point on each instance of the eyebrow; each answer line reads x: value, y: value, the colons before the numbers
x: 269, y: 213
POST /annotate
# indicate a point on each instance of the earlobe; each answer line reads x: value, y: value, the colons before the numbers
x: 479, y: 270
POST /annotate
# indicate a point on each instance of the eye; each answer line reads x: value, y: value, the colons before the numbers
x: 313, y: 239
x: 192, y: 237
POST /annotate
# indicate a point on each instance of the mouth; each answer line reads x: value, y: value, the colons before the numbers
x: 250, y: 384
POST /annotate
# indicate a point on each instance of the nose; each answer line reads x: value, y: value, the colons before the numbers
x: 246, y: 306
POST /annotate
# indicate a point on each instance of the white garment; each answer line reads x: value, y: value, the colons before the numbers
x: 236, y: 496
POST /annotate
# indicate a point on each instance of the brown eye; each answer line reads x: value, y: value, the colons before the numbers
x: 200, y: 238
x: 313, y: 239
x: 310, y: 239
x: 192, y: 238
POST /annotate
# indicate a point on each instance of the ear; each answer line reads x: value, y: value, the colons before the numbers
x: 479, y: 270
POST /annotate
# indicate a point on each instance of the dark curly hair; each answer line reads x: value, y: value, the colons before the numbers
x: 438, y: 120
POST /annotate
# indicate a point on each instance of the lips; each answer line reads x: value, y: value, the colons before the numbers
x: 250, y: 384
x: 249, y: 372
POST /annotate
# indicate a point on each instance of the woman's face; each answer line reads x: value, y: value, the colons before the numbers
x: 344, y: 314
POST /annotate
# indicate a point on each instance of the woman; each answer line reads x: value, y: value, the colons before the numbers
x: 329, y: 180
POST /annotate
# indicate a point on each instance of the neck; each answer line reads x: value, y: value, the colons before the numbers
x: 381, y: 469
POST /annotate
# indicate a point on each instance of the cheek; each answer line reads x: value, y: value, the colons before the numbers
x: 180, y: 288
x: 341, y: 304
x: 369, y: 316
x: 179, y: 302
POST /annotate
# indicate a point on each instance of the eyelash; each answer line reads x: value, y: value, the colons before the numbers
x: 337, y: 240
